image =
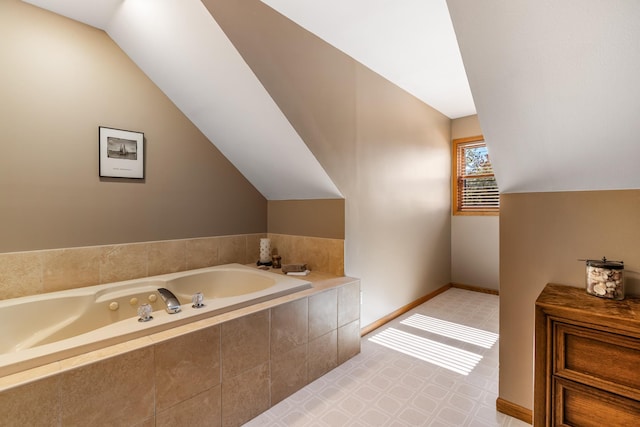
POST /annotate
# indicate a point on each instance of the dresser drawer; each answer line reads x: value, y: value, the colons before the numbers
x: 578, y: 405
x: 604, y: 360
x: 587, y: 359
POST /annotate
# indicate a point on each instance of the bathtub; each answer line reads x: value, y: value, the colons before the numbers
x: 44, y: 328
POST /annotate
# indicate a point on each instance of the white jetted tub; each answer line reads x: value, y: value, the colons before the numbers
x: 43, y: 328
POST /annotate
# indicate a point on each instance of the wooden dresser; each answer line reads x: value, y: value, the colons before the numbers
x: 587, y: 359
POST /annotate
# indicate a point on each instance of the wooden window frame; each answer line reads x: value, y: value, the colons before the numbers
x: 455, y: 208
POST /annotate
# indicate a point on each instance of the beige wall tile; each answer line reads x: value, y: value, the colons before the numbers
x: 348, y: 303
x: 323, y: 313
x: 290, y: 248
x: 202, y: 252
x: 149, y: 422
x: 279, y: 243
x: 123, y: 262
x: 288, y: 373
x: 33, y: 404
x: 336, y: 257
x: 298, y: 250
x: 20, y: 274
x: 28, y: 375
x: 115, y: 391
x: 245, y: 396
x: 202, y: 410
x: 323, y: 355
x: 30, y: 273
x: 320, y: 254
x: 348, y: 341
x: 289, y: 326
x: 232, y: 249
x: 326, y: 254
x: 186, y: 365
x: 70, y: 268
x: 245, y: 343
x: 167, y: 257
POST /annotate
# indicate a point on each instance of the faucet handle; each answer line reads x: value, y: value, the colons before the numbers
x: 198, y: 300
x: 144, y: 311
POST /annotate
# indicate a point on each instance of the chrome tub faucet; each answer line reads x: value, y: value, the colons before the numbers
x: 170, y: 300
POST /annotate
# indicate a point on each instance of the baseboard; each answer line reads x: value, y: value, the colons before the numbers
x: 402, y: 310
x: 515, y: 411
x: 475, y: 288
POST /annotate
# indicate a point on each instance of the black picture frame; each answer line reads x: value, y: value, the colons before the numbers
x: 121, y: 153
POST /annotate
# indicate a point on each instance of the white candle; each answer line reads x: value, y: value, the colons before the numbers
x: 265, y: 250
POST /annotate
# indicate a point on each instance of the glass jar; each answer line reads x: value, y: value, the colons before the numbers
x: 605, y: 279
x: 277, y: 261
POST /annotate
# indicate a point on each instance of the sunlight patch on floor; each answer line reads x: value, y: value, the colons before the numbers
x: 456, y: 331
x: 446, y: 356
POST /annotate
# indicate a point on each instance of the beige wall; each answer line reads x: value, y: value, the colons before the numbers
x: 465, y: 127
x: 61, y: 80
x: 475, y: 254
x: 388, y: 152
x: 309, y: 232
x: 475, y: 251
x: 315, y: 218
x: 542, y: 236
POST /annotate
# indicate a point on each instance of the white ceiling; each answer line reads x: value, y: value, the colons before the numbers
x: 555, y: 83
x: 95, y: 13
x: 411, y: 43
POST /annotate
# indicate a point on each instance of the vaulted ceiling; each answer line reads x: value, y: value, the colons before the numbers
x: 410, y: 42
x: 557, y: 91
x: 554, y: 83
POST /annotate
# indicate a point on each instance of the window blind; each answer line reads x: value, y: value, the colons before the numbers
x: 477, y: 188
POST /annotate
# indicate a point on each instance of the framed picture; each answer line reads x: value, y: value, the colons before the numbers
x: 121, y: 153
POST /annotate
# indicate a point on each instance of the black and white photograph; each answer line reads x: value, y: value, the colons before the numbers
x: 121, y: 153
x: 118, y: 148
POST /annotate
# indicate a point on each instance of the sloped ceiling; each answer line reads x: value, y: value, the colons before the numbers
x: 182, y: 49
x: 554, y: 83
x: 411, y: 43
x: 557, y: 91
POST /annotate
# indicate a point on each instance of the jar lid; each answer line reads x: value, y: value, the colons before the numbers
x: 605, y: 263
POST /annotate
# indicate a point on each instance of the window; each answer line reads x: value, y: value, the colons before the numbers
x: 475, y: 190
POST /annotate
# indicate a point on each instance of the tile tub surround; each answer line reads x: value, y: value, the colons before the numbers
x: 223, y: 370
x: 36, y: 272
x: 318, y: 253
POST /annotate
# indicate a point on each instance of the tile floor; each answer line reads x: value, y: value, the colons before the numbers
x: 445, y: 375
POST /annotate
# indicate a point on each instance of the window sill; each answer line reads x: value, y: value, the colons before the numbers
x: 477, y: 213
